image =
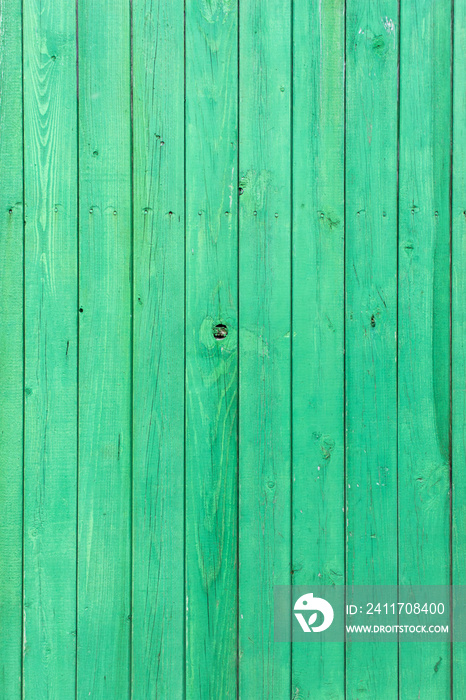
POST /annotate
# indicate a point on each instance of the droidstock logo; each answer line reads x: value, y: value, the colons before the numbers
x: 313, y: 605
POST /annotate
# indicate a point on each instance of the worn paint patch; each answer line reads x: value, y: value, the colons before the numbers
x: 217, y: 10
x: 255, y: 184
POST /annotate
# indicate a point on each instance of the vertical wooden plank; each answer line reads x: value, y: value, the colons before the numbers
x: 265, y: 331
x: 11, y: 347
x: 211, y: 357
x: 50, y: 349
x: 458, y: 329
x: 104, y: 518
x: 424, y: 318
x: 158, y: 374
x: 318, y: 322
x: 371, y: 324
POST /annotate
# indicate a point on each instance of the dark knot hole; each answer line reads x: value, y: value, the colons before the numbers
x: 220, y: 331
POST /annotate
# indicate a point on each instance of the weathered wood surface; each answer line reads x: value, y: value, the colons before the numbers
x: 372, y: 36
x: 458, y: 331
x: 424, y: 419
x: 11, y: 347
x: 50, y: 349
x: 211, y: 121
x: 105, y: 350
x: 232, y: 340
x: 318, y: 544
x: 158, y: 360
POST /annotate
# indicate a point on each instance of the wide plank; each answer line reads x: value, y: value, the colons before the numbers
x: 158, y: 351
x: 11, y: 348
x: 424, y: 326
x: 105, y: 350
x: 372, y: 31
x: 458, y: 331
x: 211, y: 349
x: 318, y: 326
x: 264, y: 342
x: 50, y: 337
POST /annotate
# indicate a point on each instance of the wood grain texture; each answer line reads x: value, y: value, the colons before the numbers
x: 424, y: 319
x: 50, y: 461
x: 158, y: 359
x: 105, y: 308
x: 371, y: 324
x: 318, y: 322
x: 265, y: 342
x: 211, y: 362
x: 232, y: 340
x: 11, y: 348
x: 458, y: 329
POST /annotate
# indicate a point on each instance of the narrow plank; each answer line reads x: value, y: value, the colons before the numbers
x: 458, y: 329
x: 265, y: 340
x: 11, y: 348
x: 105, y: 306
x: 211, y: 363
x: 424, y: 317
x: 50, y: 457
x: 158, y: 359
x: 318, y: 322
x: 371, y: 324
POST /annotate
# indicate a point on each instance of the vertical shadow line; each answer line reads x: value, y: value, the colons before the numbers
x: 238, y: 355
x: 131, y: 408
x: 78, y: 225
x: 345, y: 505
x: 23, y: 636
x: 397, y: 331
x: 450, y: 448
x: 291, y: 326
x: 184, y: 374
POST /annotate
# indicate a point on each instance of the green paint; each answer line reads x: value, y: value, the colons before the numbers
x: 371, y: 317
x: 211, y: 363
x: 50, y: 325
x: 158, y: 367
x: 236, y: 276
x: 105, y: 290
x: 459, y: 334
x: 264, y: 342
x: 423, y: 324
x: 318, y: 322
x: 11, y: 348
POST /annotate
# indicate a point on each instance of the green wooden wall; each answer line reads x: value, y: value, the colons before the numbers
x: 232, y: 340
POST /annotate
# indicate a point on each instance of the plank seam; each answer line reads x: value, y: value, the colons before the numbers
x: 397, y: 331
x: 185, y: 630
x: 78, y: 291
x: 238, y: 354
x: 291, y: 324
x: 24, y: 351
x: 131, y: 422
x: 452, y: 59
x: 345, y: 505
